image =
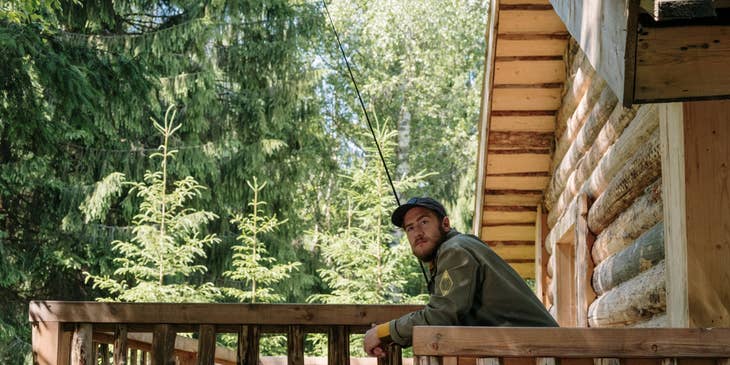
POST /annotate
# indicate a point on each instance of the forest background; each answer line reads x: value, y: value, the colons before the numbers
x: 184, y: 150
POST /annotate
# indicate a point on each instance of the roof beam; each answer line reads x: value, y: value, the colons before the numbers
x: 662, y: 10
x: 606, y: 32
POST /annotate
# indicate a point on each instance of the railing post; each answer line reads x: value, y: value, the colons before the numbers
x: 248, y: 345
x: 82, y: 351
x: 206, y: 345
x: 120, y: 345
x: 338, y: 346
x: 51, y: 345
x: 163, y: 345
x: 295, y: 346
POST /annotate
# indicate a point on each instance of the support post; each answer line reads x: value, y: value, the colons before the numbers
x: 583, y: 262
x: 696, y: 181
x: 51, y: 345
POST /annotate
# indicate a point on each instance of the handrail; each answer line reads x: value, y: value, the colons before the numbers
x: 64, y: 332
x: 434, y: 344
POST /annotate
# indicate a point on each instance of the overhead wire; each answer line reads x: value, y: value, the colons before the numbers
x: 367, y: 118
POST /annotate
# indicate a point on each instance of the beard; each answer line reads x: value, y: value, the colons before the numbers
x: 429, y: 257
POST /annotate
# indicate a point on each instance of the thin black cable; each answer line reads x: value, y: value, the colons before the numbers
x: 367, y: 118
x: 362, y: 104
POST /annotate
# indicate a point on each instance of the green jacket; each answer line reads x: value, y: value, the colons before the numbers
x: 472, y: 286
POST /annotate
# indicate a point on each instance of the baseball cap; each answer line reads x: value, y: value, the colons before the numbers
x: 425, y: 202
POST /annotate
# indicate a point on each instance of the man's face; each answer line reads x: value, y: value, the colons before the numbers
x: 424, y: 231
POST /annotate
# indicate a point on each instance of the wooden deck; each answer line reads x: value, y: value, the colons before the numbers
x: 142, y: 333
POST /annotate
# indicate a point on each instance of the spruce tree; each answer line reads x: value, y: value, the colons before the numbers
x: 168, y: 241
x: 252, y: 265
x: 364, y: 261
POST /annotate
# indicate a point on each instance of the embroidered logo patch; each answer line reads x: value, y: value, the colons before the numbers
x: 446, y: 283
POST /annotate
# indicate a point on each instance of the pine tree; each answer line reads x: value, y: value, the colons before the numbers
x: 252, y: 265
x: 167, y: 240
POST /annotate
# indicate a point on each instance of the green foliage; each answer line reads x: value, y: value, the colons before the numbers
x: 260, y: 91
x: 167, y: 238
x: 363, y: 262
x: 252, y: 264
x: 418, y: 64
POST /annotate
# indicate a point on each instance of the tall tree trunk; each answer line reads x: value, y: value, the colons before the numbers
x: 404, y: 140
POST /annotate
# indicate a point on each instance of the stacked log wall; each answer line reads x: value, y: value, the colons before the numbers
x: 610, y: 154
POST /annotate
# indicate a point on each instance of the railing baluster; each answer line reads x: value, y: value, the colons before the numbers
x: 546, y: 361
x: 120, y: 345
x: 104, y: 353
x: 163, y: 345
x: 427, y: 360
x: 144, y: 358
x: 295, y: 345
x: 82, y: 351
x: 338, y: 346
x: 206, y: 345
x: 395, y: 354
x: 489, y: 361
x: 133, y: 357
x: 248, y: 345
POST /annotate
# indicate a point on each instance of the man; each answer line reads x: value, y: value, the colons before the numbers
x: 469, y: 284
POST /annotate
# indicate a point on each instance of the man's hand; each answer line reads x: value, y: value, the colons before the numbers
x: 372, y: 343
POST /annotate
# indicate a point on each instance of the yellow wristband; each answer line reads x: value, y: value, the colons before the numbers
x: 383, y: 330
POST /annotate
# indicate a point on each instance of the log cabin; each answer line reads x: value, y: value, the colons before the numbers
x: 603, y: 157
x: 602, y: 175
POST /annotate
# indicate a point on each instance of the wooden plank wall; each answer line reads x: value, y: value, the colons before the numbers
x: 525, y: 72
x: 604, y: 202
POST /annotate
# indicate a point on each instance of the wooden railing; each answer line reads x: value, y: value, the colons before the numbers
x: 146, y: 333
x: 573, y: 346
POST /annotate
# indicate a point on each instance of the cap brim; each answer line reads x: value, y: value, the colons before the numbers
x: 400, y: 213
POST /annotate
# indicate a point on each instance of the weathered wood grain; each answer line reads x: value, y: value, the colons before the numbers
x: 120, y: 345
x: 570, y: 342
x: 606, y: 32
x: 640, y: 256
x: 582, y: 143
x: 639, y: 172
x: 206, y: 345
x: 644, y: 213
x: 224, y: 314
x: 163, y: 345
x: 633, y: 301
x: 82, y: 352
